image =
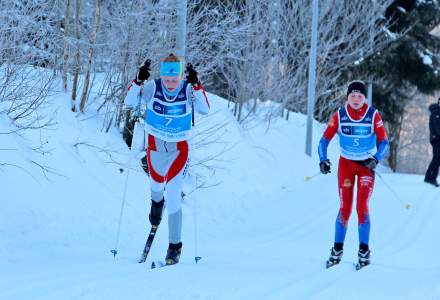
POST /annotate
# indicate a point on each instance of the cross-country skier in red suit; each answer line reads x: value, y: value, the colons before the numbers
x: 363, y: 143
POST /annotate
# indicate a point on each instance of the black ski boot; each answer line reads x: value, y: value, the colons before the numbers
x: 156, y: 212
x: 432, y: 182
x: 363, y: 256
x: 335, y: 255
x: 173, y: 253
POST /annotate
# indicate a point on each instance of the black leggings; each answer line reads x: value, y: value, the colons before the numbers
x: 432, y: 172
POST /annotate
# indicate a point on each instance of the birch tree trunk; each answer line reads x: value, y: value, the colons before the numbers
x: 181, y: 7
x: 90, y: 55
x: 66, y: 45
x: 77, y: 57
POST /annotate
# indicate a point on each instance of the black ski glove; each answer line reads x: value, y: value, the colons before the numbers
x: 324, y: 166
x: 370, y: 163
x: 144, y: 72
x: 191, y: 76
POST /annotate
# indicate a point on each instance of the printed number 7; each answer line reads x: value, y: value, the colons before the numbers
x: 168, y: 121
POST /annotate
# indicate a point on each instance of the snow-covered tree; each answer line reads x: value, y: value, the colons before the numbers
x: 410, y: 64
x: 95, y: 28
x: 273, y: 60
x: 26, y: 31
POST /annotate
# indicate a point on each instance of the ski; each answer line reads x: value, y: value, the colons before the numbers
x: 330, y: 264
x: 160, y: 264
x: 357, y: 265
x: 360, y: 265
x: 148, y: 244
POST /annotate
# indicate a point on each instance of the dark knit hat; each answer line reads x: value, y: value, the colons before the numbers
x: 357, y: 86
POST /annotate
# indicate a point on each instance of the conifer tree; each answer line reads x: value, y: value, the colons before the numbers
x: 409, y: 65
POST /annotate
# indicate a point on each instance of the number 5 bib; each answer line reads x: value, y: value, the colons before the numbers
x: 357, y: 138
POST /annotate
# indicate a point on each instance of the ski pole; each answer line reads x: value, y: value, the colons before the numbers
x: 115, y: 250
x: 195, y: 212
x: 406, y: 205
x: 308, y: 178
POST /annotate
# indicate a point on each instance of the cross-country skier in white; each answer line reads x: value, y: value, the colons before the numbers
x: 170, y: 101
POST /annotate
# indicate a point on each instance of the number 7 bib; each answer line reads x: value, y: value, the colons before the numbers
x: 169, y: 121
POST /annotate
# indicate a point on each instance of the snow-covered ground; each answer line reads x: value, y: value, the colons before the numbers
x: 264, y: 232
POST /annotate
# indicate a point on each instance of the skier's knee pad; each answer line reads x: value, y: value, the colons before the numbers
x: 156, y: 212
x: 156, y: 196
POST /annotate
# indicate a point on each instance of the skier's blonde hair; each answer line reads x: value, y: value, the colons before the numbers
x: 172, y: 58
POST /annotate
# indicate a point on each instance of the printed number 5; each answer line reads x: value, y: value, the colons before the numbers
x: 356, y: 142
x: 168, y: 121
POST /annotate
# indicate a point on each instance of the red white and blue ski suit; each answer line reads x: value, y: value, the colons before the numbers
x: 361, y: 136
x: 169, y: 126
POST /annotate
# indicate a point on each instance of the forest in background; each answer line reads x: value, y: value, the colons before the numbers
x: 249, y: 52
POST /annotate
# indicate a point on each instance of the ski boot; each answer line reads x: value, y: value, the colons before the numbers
x: 155, y: 215
x: 363, y: 256
x: 173, y: 253
x: 335, y: 255
x: 432, y: 182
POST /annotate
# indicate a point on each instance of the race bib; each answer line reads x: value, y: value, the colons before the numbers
x: 169, y: 122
